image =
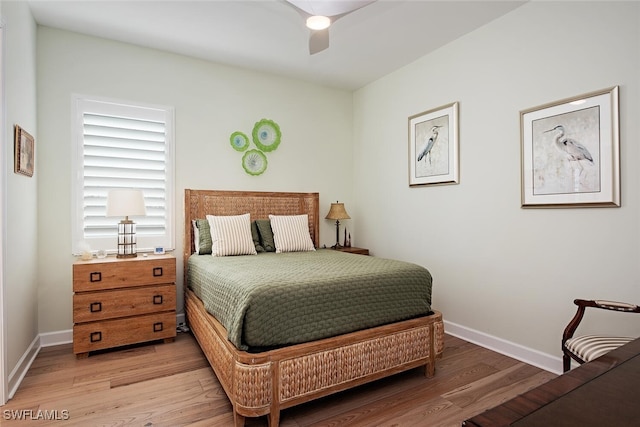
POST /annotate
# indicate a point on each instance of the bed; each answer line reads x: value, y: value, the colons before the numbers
x: 264, y: 380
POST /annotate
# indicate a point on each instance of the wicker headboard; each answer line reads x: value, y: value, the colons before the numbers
x: 200, y: 203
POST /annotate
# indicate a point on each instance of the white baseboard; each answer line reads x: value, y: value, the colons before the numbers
x: 50, y: 339
x: 524, y: 354
x: 18, y: 373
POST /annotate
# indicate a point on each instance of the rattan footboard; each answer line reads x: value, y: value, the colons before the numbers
x: 264, y: 383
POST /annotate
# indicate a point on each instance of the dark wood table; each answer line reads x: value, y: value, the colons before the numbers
x: 603, y: 392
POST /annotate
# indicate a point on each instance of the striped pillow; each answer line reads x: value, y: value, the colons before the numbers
x: 231, y: 235
x: 291, y: 233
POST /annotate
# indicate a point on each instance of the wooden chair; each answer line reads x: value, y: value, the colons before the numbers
x: 588, y: 347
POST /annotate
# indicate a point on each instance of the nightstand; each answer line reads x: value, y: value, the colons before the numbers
x: 121, y: 301
x: 354, y: 250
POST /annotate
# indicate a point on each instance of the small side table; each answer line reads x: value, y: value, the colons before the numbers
x: 354, y: 250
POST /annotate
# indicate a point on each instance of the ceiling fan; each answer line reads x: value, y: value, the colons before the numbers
x: 320, y: 14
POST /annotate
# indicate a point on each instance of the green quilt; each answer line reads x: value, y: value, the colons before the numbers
x: 270, y: 300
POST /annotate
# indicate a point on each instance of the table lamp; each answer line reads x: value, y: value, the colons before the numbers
x: 337, y: 212
x: 126, y: 203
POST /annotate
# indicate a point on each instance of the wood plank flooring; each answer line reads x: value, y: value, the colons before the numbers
x: 172, y: 385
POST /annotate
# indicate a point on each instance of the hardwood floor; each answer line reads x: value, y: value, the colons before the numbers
x: 173, y: 385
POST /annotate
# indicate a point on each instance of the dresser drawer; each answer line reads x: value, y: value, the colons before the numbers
x: 112, y: 273
x: 112, y: 333
x: 93, y: 306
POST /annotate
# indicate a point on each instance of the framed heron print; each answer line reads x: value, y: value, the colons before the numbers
x: 571, y: 152
x: 433, y: 146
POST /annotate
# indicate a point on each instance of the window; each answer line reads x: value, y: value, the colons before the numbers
x: 121, y: 145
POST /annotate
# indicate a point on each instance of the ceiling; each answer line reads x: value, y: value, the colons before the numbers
x: 270, y: 35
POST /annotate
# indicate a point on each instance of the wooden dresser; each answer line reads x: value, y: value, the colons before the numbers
x: 603, y: 392
x: 120, y: 301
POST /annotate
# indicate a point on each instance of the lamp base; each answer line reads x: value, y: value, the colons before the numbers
x: 126, y: 255
x: 126, y: 239
x: 337, y: 245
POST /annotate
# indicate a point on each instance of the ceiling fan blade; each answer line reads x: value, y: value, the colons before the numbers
x: 298, y: 9
x: 318, y: 41
x: 328, y: 7
x: 334, y: 10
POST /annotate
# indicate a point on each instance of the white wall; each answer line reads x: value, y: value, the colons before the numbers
x: 498, y: 269
x: 20, y: 244
x: 211, y: 101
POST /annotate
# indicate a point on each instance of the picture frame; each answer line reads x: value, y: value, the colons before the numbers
x: 571, y: 152
x: 434, y: 146
x: 24, y: 152
x: 158, y: 250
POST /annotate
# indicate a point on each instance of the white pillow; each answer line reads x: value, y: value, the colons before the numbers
x: 231, y: 235
x: 196, y: 236
x: 291, y: 233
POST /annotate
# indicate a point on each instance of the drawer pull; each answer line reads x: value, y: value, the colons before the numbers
x: 157, y: 327
x: 95, y: 307
x: 157, y: 299
x: 95, y: 277
x: 157, y: 271
x: 96, y: 336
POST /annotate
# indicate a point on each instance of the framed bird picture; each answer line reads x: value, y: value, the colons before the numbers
x: 571, y: 152
x: 434, y: 146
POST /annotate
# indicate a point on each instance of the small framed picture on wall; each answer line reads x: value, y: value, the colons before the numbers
x: 433, y: 146
x: 24, y: 152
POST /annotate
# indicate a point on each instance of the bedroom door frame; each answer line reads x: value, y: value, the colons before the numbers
x: 4, y: 388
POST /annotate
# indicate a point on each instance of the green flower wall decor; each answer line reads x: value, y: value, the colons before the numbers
x: 266, y: 136
x: 254, y: 162
x: 239, y: 141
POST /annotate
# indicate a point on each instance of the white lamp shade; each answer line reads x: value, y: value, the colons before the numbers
x: 125, y: 202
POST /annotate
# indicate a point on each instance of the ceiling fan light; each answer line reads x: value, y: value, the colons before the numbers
x: 318, y: 22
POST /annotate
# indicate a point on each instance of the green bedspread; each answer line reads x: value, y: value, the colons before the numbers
x: 270, y: 300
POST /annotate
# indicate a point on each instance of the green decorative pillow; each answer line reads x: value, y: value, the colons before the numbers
x: 204, y: 237
x: 256, y: 237
x: 266, y: 235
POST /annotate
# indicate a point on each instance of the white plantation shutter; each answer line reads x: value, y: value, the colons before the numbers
x: 122, y: 146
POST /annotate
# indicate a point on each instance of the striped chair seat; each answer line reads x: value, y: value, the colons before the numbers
x: 589, y: 347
